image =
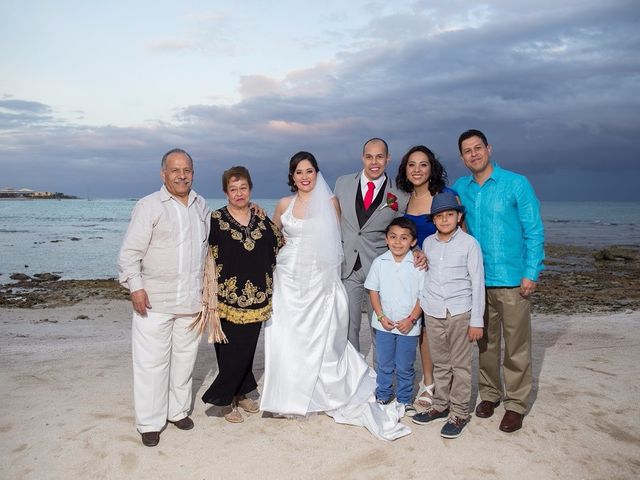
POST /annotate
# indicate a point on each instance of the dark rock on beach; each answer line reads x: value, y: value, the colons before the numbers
x: 576, y: 280
x: 47, y: 277
x: 21, y: 277
x: 613, y: 254
x: 57, y: 293
x: 585, y: 280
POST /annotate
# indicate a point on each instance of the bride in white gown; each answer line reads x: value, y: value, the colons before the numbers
x: 309, y: 364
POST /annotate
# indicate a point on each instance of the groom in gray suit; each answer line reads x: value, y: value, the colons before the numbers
x: 369, y: 200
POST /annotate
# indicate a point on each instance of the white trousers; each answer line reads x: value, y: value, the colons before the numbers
x: 164, y: 354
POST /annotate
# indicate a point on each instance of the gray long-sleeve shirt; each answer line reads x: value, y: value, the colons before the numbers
x: 455, y: 278
x: 164, y: 249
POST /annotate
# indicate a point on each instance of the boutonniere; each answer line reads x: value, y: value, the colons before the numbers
x: 391, y: 202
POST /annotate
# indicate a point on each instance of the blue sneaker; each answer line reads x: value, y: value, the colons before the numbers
x: 453, y: 428
x: 429, y: 415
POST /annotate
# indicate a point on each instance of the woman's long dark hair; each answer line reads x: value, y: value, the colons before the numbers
x: 437, y: 180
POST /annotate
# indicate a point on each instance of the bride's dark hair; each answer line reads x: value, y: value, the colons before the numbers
x: 293, y: 164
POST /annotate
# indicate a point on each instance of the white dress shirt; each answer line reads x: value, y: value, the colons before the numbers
x: 378, y: 182
x: 164, y: 249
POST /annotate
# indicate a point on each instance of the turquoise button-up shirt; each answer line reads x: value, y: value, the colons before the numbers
x: 503, y: 215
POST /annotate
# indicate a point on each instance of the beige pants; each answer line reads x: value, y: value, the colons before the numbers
x: 507, y: 314
x: 451, y: 356
x: 164, y: 354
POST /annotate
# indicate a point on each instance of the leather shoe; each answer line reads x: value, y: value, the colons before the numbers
x: 184, y: 423
x: 150, y: 439
x: 511, y: 421
x: 485, y: 408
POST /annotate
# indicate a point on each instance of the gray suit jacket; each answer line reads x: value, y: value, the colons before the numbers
x: 368, y: 241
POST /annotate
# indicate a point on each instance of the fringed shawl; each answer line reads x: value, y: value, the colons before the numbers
x: 208, y: 318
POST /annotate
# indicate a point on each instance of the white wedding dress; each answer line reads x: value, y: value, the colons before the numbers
x: 309, y: 364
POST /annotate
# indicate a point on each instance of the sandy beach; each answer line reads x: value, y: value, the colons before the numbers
x: 65, y: 358
x: 66, y: 393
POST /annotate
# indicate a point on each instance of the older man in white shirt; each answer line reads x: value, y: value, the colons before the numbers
x: 161, y: 262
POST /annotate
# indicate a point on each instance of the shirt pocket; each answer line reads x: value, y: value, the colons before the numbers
x: 456, y: 266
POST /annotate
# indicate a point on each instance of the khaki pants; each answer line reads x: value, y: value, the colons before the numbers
x: 507, y: 314
x: 451, y: 355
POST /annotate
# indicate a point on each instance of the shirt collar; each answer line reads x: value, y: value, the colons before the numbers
x: 166, y: 196
x: 496, y: 173
x: 377, y: 182
x: 389, y: 256
x: 453, y: 235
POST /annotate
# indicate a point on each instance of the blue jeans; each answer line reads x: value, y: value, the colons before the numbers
x: 395, y: 353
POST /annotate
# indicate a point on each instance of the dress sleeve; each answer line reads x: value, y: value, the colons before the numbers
x: 213, y: 237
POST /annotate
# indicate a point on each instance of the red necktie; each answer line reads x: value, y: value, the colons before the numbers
x: 368, y: 197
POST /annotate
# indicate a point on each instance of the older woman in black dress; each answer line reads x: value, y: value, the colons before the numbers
x: 244, y: 245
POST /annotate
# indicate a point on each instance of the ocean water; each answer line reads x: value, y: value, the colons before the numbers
x: 80, y: 239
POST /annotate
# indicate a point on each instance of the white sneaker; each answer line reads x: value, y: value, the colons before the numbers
x: 409, y: 410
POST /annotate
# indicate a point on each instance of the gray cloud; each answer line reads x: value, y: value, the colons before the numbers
x: 17, y: 113
x: 557, y: 91
x: 24, y: 106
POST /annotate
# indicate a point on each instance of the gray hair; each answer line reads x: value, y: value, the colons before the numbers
x: 171, y: 152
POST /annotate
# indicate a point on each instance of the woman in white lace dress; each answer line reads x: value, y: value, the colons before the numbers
x: 309, y: 364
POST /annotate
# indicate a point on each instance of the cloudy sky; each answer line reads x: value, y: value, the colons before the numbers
x: 93, y: 93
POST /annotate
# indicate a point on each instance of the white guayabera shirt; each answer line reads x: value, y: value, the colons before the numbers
x: 164, y: 250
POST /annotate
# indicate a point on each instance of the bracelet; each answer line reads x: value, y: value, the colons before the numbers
x: 413, y: 320
x: 380, y: 316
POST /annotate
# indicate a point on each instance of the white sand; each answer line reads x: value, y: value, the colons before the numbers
x: 67, y: 413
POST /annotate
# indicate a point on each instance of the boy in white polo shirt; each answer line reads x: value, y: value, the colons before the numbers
x: 453, y: 305
x: 394, y: 286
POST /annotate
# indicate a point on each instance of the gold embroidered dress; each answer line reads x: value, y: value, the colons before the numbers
x: 245, y: 257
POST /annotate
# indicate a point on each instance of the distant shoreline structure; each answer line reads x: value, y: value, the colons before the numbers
x: 28, y: 194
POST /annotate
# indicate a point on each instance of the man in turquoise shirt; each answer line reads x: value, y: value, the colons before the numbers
x: 503, y: 214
